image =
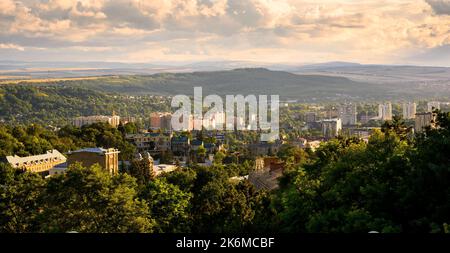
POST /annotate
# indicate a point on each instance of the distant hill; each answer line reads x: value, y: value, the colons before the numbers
x: 303, y: 87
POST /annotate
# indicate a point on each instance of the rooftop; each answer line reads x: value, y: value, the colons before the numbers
x: 52, y: 154
x: 95, y: 150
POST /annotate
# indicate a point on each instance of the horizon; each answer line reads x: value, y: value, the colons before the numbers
x: 251, y: 64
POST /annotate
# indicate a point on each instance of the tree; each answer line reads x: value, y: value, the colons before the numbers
x: 142, y: 170
x: 218, y: 158
x: 20, y: 200
x: 220, y: 208
x: 169, y: 206
x: 91, y: 200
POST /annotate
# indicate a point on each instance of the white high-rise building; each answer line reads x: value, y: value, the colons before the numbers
x: 409, y: 110
x: 385, y: 111
x: 433, y: 105
x: 331, y: 127
x: 348, y: 114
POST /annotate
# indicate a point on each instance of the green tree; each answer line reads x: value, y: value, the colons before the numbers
x: 20, y: 200
x: 91, y: 200
x: 169, y: 206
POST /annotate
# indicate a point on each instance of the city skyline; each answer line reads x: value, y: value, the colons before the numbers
x: 282, y: 31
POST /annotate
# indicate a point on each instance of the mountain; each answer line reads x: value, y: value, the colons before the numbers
x: 380, y: 73
x: 302, y: 87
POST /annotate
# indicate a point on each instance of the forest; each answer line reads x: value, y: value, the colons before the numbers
x: 55, y: 104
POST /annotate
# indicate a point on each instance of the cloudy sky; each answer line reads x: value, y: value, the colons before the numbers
x: 284, y: 31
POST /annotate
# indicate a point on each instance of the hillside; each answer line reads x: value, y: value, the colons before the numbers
x: 302, y: 87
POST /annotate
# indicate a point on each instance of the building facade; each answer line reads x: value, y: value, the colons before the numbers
x: 151, y: 142
x: 37, y: 163
x: 331, y: 128
x: 161, y: 121
x: 180, y: 145
x: 409, y: 110
x: 424, y: 120
x: 433, y: 105
x: 348, y: 114
x: 310, y: 117
x: 385, y: 111
x: 88, y: 120
x: 108, y: 159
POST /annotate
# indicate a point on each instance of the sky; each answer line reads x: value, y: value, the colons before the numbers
x: 270, y: 31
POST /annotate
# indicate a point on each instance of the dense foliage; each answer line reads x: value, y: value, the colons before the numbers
x: 24, y: 140
x: 55, y: 104
x: 393, y: 183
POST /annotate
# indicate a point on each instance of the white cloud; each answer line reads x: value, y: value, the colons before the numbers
x: 267, y: 30
x: 11, y: 46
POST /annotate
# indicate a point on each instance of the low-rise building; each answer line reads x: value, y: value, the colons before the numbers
x: 266, y: 173
x: 180, y: 145
x: 37, y: 163
x: 196, y: 144
x: 108, y: 159
x: 154, y: 143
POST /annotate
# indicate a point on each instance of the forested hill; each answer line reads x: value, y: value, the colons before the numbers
x: 306, y: 88
x: 57, y: 105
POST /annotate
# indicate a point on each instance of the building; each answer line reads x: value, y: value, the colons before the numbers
x: 310, y: 117
x: 385, y: 111
x: 128, y: 119
x: 265, y: 148
x: 433, y: 105
x: 88, y: 120
x: 409, y: 110
x: 180, y: 145
x: 331, y: 128
x: 161, y: 121
x: 424, y: 120
x: 365, y: 118
x: 216, y: 120
x: 348, y: 114
x: 37, y: 163
x: 154, y: 143
x: 196, y: 144
x: 108, y: 159
x: 59, y: 169
x: 266, y: 173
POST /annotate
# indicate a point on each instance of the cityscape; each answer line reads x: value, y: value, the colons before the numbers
x: 319, y: 117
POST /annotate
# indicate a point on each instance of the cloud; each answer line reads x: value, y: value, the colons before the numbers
x: 11, y: 46
x: 440, y: 7
x: 257, y: 30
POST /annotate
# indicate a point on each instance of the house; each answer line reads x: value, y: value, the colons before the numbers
x: 180, y: 145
